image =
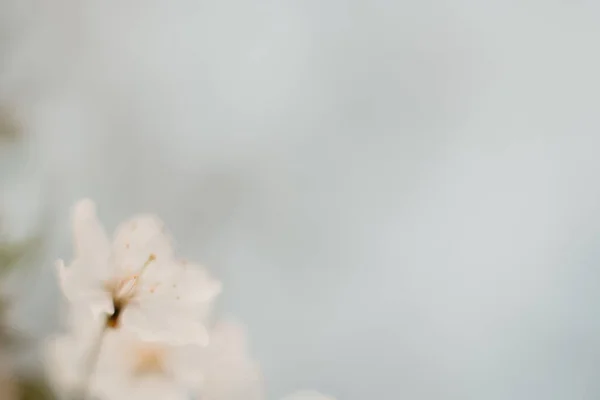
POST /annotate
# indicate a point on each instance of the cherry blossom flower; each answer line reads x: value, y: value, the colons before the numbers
x: 137, y: 322
x: 136, y: 283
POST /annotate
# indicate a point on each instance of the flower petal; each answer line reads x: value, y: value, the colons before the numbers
x: 179, y: 284
x: 66, y: 357
x: 83, y: 289
x: 194, y: 284
x: 139, y: 241
x: 174, y: 303
x: 117, y: 375
x: 63, y: 363
x: 228, y: 371
x: 153, y: 321
x: 185, y: 365
x: 90, y: 240
x: 154, y: 389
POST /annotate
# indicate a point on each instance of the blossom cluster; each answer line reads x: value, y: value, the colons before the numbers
x: 139, y: 321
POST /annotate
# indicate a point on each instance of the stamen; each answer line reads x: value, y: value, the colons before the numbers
x: 151, y: 258
x: 123, y: 293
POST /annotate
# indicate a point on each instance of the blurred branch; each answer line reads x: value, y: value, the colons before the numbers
x: 14, y: 255
x: 34, y: 389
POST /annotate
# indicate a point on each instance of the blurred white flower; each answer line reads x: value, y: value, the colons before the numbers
x: 228, y: 372
x: 124, y: 368
x: 137, y: 322
x: 136, y: 283
x: 67, y: 357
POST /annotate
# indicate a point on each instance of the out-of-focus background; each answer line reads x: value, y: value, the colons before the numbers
x: 401, y: 198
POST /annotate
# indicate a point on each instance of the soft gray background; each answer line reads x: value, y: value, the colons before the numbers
x: 401, y: 198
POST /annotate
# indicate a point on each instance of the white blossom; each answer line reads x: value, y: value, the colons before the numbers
x: 136, y: 283
x: 137, y: 322
x: 67, y: 356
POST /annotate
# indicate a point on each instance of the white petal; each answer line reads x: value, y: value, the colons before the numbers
x: 90, y: 240
x: 63, y: 363
x: 66, y: 356
x: 115, y: 375
x: 194, y: 284
x: 174, y: 301
x: 83, y: 289
x: 83, y: 325
x: 155, y: 389
x: 185, y: 364
x: 229, y: 338
x: 173, y: 304
x: 141, y: 240
x: 180, y: 285
x: 112, y: 376
x: 152, y: 321
x: 117, y: 354
x: 228, y: 371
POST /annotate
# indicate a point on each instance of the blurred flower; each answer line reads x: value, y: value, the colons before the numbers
x: 128, y: 368
x: 228, y: 373
x: 136, y: 283
x: 124, y: 368
x: 137, y: 322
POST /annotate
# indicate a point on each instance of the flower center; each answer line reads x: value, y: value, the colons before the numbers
x: 112, y: 321
x: 123, y: 292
